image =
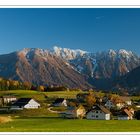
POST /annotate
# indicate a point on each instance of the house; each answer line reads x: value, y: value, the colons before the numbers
x: 8, y: 99
x: 126, y: 114
x: 137, y: 105
x: 99, y: 100
x: 60, y: 102
x: 74, y: 112
x: 27, y: 103
x: 126, y: 100
x: 98, y: 112
x: 118, y: 103
x: 109, y: 104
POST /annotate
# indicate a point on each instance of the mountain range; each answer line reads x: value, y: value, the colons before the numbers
x: 72, y: 68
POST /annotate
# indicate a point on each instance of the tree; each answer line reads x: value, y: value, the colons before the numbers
x: 114, y: 96
x: 27, y: 85
x: 72, y: 104
x: 81, y: 112
x: 41, y: 88
x: 90, y: 100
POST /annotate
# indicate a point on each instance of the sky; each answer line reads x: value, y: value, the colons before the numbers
x: 89, y: 29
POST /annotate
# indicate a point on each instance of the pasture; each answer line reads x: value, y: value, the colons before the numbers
x: 41, y: 120
x: 54, y: 124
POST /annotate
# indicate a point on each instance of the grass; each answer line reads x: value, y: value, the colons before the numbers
x: 41, y: 120
x: 58, y: 108
x: 40, y: 95
x: 49, y: 124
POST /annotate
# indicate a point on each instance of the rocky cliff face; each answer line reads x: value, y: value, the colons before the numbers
x: 130, y: 81
x: 40, y: 67
x: 62, y: 66
x: 103, y: 64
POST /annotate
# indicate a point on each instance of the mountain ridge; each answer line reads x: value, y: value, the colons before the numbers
x: 64, y: 66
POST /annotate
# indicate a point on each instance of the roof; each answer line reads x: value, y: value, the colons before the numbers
x: 58, y: 100
x: 75, y: 107
x: 125, y: 98
x: 116, y: 101
x: 71, y: 108
x: 22, y: 101
x: 128, y: 112
x: 100, y: 107
x: 105, y: 110
x: 72, y: 100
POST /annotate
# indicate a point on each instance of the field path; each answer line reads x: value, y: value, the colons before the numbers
x: 52, y: 111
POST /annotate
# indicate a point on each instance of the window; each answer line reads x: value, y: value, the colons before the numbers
x: 96, y: 111
x: 96, y: 116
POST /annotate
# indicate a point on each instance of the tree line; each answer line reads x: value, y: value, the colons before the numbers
x: 17, y: 85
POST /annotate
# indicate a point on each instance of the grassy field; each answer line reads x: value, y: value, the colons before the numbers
x: 49, y: 124
x: 40, y: 95
x: 41, y: 120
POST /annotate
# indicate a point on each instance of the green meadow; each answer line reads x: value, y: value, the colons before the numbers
x: 40, y: 95
x: 52, y: 124
x: 41, y: 120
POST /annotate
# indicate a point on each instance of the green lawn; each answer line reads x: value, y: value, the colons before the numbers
x: 40, y: 95
x: 41, y: 120
x: 49, y: 124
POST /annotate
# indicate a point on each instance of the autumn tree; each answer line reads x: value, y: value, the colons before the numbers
x: 81, y: 112
x: 72, y: 104
x: 41, y: 88
x: 90, y: 100
x: 27, y: 85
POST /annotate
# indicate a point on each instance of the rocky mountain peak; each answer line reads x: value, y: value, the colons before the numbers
x: 67, y: 53
x: 76, y: 68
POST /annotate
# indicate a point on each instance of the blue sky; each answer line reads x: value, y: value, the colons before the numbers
x: 93, y: 30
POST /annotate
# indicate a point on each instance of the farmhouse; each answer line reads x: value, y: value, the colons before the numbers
x: 98, y: 112
x: 8, y: 99
x: 137, y: 105
x: 27, y: 103
x: 74, y: 112
x: 126, y: 100
x: 115, y: 103
x: 60, y: 102
x: 126, y: 114
x: 109, y: 104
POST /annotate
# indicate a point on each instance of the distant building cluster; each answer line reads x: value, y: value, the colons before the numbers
x: 85, y: 105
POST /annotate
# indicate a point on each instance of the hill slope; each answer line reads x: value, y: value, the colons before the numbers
x: 131, y: 81
x: 40, y: 67
x: 73, y: 68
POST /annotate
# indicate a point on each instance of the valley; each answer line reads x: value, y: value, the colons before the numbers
x: 72, y: 68
x: 42, y: 119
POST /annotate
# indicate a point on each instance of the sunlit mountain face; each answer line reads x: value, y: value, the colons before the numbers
x: 63, y: 66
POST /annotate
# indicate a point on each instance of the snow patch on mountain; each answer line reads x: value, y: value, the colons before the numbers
x: 25, y: 51
x: 101, y: 64
x: 112, y: 53
x: 125, y: 54
x: 67, y: 53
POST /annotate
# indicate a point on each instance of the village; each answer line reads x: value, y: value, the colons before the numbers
x: 88, y: 106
